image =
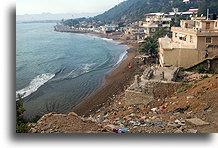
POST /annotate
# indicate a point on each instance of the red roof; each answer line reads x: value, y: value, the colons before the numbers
x: 192, y: 10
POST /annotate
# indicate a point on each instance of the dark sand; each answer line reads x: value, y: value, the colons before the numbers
x: 116, y: 81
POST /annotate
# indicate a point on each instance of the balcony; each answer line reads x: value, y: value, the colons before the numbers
x: 199, y: 32
x: 207, y: 32
x: 158, y: 19
x: 183, y: 30
x: 149, y: 25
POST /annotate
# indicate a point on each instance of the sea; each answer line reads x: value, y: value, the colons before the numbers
x: 56, y: 71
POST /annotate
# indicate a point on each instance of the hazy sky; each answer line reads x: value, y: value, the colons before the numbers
x: 63, y: 6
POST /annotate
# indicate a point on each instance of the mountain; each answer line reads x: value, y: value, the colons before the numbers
x: 132, y: 10
x: 50, y: 16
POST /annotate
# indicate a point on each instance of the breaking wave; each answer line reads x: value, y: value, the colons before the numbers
x: 35, y: 84
x: 121, y: 57
x: 78, y: 72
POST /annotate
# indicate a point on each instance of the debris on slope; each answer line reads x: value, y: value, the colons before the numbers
x: 193, y: 110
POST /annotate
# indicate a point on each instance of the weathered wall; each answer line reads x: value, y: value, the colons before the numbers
x: 181, y: 57
x: 135, y: 97
x: 154, y: 91
x: 186, y: 57
x: 163, y: 90
x: 210, y: 64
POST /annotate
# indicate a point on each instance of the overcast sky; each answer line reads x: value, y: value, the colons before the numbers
x: 63, y: 6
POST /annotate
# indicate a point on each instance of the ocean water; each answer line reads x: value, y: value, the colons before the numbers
x: 56, y: 71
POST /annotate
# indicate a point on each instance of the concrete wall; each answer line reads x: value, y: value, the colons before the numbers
x: 135, y: 97
x: 154, y: 91
x: 209, y: 64
x: 181, y: 57
x: 185, y: 57
x: 201, y: 44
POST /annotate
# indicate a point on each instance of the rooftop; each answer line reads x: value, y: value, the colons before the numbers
x: 167, y: 43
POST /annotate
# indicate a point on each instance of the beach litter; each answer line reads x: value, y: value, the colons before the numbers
x: 180, y: 110
x: 101, y: 118
x: 156, y: 123
x: 179, y: 122
x: 120, y: 130
x: 206, y: 107
x: 163, y: 107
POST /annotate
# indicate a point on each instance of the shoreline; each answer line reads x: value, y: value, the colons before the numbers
x: 115, y: 82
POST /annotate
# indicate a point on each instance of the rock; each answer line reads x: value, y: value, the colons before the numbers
x: 197, y: 121
x: 110, y: 126
x: 179, y: 122
x: 72, y: 114
x: 154, y: 109
x: 142, y: 118
x: 192, y: 131
x: 174, y: 97
x: 174, y: 125
x: 33, y: 130
x: 101, y: 119
x: 189, y: 97
x: 178, y: 131
x: 154, y: 117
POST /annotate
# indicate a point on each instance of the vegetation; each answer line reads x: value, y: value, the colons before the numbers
x: 204, y: 77
x: 71, y: 22
x: 150, y: 44
x: 184, y: 87
x: 133, y: 10
x: 21, y: 124
x: 201, y: 69
x: 162, y: 33
x: 181, y: 90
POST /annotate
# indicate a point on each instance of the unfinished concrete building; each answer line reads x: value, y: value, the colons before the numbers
x: 156, y: 82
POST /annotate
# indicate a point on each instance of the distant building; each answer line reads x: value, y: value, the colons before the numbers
x: 109, y: 28
x: 135, y: 31
x: 191, y: 43
x: 154, y: 21
x: 188, y: 1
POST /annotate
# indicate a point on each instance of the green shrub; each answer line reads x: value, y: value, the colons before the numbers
x: 201, y: 69
x: 180, y: 90
x: 21, y: 124
x: 204, y: 77
x: 35, y: 119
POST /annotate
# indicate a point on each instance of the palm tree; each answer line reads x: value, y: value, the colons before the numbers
x: 149, y: 46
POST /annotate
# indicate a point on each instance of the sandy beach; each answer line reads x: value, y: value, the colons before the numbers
x: 115, y: 82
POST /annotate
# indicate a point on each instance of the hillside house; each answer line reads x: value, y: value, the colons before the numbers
x: 154, y: 21
x: 191, y: 43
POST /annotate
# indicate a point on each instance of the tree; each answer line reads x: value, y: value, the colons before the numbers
x: 21, y: 124
x: 162, y: 33
x: 149, y: 46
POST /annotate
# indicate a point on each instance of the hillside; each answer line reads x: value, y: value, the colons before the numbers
x: 191, y: 111
x: 132, y: 10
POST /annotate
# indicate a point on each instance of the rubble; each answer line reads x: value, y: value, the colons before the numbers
x: 197, y: 121
x: 171, y: 114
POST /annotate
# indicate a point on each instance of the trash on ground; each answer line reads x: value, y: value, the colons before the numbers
x: 206, y: 107
x: 180, y: 110
x: 120, y: 130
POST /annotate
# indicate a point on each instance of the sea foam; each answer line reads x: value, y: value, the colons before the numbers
x: 35, y: 84
x: 121, y: 57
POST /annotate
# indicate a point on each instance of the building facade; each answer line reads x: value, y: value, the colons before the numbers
x: 154, y: 21
x: 194, y: 41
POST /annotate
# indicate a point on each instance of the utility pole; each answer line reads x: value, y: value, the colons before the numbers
x: 208, y: 14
